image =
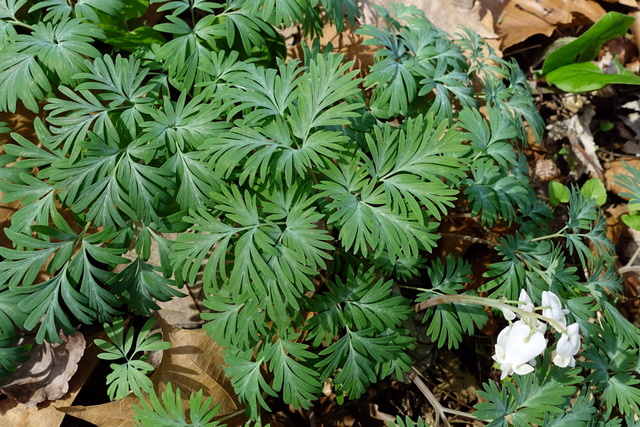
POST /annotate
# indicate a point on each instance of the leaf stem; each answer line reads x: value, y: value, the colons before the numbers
x: 312, y: 175
x: 550, y: 236
x: 14, y: 21
x: 488, y: 302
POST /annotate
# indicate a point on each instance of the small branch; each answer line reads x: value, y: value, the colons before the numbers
x: 629, y: 266
x: 458, y: 413
x: 628, y: 269
x: 415, y: 377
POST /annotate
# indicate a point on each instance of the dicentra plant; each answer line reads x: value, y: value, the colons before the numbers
x: 302, y: 195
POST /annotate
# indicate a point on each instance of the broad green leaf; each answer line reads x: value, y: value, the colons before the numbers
x: 558, y: 193
x: 594, y: 189
x: 632, y: 221
x: 588, y: 45
x: 587, y: 76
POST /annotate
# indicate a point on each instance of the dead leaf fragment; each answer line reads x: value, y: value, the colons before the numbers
x: 45, y: 376
x: 616, y: 168
x: 448, y: 15
x: 583, y: 147
x: 522, y: 19
x: 113, y: 414
x: 193, y: 363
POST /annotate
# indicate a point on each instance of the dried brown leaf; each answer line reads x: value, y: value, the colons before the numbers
x: 193, y: 363
x: 15, y: 414
x: 524, y: 18
x: 347, y: 43
x: 45, y: 376
x: 112, y: 414
x: 616, y: 168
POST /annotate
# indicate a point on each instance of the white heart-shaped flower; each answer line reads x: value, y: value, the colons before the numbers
x: 517, y: 347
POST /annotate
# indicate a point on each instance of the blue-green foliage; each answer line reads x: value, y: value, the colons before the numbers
x: 301, y: 196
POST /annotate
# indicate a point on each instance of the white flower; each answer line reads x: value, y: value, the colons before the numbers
x: 553, y: 307
x: 508, y: 314
x: 527, y: 305
x: 525, y: 302
x: 568, y: 345
x: 517, y: 347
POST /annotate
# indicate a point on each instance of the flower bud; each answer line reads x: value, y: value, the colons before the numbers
x: 553, y: 307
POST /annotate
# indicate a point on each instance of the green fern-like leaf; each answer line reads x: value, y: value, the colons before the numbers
x: 11, y: 355
x: 407, y: 422
x: 166, y: 410
x: 132, y: 374
x: 529, y: 398
x: 248, y: 381
x: 62, y: 48
x: 357, y: 353
x: 448, y: 322
x: 21, y: 78
x: 141, y: 286
x: 298, y: 383
x: 359, y: 302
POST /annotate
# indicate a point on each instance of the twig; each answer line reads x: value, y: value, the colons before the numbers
x: 629, y: 266
x: 415, y: 377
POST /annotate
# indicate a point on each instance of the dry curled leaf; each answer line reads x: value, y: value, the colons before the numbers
x: 45, y: 376
x: 15, y: 414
